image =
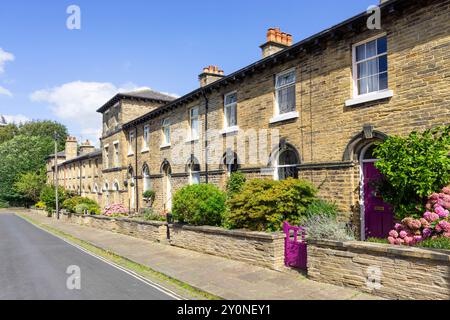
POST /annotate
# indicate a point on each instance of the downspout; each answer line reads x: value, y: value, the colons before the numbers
x: 206, y: 135
x: 136, y: 184
x: 81, y: 177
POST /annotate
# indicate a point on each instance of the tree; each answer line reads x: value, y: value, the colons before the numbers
x: 48, y: 196
x: 45, y: 129
x: 8, y: 132
x: 20, y: 155
x: 30, y: 185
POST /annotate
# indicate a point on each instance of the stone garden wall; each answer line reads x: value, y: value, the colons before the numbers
x: 382, y: 270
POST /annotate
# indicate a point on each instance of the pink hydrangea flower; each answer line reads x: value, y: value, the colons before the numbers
x: 393, y: 234
x: 441, y: 212
x: 403, y: 234
x: 446, y: 190
x: 391, y: 240
x: 418, y: 238
x: 399, y: 241
x: 398, y: 227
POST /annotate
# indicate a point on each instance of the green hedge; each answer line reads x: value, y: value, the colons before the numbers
x: 79, y: 204
x: 263, y: 205
x: 202, y: 204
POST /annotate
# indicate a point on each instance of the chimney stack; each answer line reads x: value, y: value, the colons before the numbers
x: 71, y: 148
x: 209, y: 75
x: 276, y: 41
x: 86, y: 147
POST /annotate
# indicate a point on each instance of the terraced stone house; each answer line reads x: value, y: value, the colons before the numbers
x: 327, y: 99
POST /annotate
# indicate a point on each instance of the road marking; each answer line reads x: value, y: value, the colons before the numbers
x: 127, y: 271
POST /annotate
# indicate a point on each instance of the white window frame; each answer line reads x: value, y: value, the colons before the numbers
x: 166, y: 133
x: 131, y: 137
x: 287, y: 115
x: 192, y: 137
x: 371, y: 96
x: 193, y: 174
x: 226, y: 126
x: 146, y: 138
x: 116, y: 154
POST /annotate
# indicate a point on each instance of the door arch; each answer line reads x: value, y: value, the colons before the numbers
x: 377, y: 217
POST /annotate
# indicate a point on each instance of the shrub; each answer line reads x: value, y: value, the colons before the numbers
x: 40, y: 205
x: 263, y: 205
x: 81, y: 208
x: 149, y: 215
x: 71, y: 204
x: 433, y: 224
x: 4, y: 204
x: 436, y: 243
x: 201, y: 204
x: 322, y: 207
x: 116, y: 210
x: 235, y: 183
x: 48, y: 197
x: 413, y: 168
x: 149, y: 196
x: 325, y: 227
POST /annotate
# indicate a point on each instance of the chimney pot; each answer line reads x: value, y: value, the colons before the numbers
x: 276, y: 41
x: 210, y: 74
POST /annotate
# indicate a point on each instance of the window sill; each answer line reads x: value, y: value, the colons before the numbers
x: 145, y: 150
x: 369, y: 97
x: 130, y: 154
x: 165, y: 146
x: 284, y: 117
x: 192, y: 140
x: 228, y: 130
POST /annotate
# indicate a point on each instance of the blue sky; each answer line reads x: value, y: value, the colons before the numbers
x: 50, y: 72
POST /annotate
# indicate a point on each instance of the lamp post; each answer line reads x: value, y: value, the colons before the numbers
x: 55, y: 136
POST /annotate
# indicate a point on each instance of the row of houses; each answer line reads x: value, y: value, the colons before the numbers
x: 311, y: 110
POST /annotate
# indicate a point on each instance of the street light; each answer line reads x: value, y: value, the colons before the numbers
x: 55, y: 137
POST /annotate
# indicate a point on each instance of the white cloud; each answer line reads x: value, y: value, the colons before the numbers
x: 76, y: 103
x: 18, y: 118
x: 5, y: 92
x: 5, y: 57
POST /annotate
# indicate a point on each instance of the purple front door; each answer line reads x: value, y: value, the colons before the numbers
x: 379, y: 217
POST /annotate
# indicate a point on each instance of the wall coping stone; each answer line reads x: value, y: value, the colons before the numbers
x: 151, y: 223
x: 234, y: 233
x: 422, y: 253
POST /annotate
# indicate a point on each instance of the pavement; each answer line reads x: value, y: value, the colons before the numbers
x: 225, y: 278
x: 36, y: 265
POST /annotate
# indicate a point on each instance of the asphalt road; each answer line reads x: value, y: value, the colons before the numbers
x: 34, y: 265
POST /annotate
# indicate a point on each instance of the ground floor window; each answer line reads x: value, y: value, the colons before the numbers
x: 287, y: 163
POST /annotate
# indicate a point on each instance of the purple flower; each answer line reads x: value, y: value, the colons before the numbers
x: 398, y: 227
x: 426, y: 232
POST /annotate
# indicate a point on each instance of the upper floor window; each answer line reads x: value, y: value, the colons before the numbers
x: 370, y: 66
x: 230, y: 110
x: 116, y: 154
x: 166, y: 132
x: 130, y: 142
x: 285, y: 92
x: 146, y: 137
x: 194, y: 122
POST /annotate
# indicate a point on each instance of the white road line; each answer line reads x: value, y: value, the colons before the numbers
x: 127, y: 271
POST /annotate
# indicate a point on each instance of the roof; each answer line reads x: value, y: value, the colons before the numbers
x: 143, y: 95
x: 61, y: 154
x: 334, y: 32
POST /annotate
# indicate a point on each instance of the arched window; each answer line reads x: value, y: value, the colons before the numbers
x: 146, y: 177
x: 95, y: 188
x: 194, y: 170
x: 231, y: 162
x: 116, y: 186
x: 286, y: 163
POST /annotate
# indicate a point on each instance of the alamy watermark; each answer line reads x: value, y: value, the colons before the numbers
x: 73, y: 22
x: 74, y: 280
x: 374, y: 20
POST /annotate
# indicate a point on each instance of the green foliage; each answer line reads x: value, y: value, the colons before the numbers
x: 45, y: 129
x: 235, y: 183
x: 79, y: 204
x: 30, y: 185
x: 321, y: 207
x: 49, y: 198
x: 8, y: 132
x: 202, y: 204
x: 20, y: 155
x: 40, y: 205
x: 149, y: 196
x: 414, y: 167
x: 325, y: 227
x: 149, y: 215
x: 378, y: 240
x: 3, y: 204
x: 438, y: 243
x: 263, y: 205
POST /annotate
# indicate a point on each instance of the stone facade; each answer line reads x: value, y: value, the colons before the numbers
x: 326, y: 129
x: 390, y: 272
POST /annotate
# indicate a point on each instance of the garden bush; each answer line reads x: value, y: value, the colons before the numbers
x: 71, y: 205
x: 4, y: 204
x: 326, y: 227
x: 40, y: 205
x: 48, y: 197
x: 263, y: 205
x: 235, y: 183
x: 116, y: 210
x: 413, y: 167
x: 321, y: 207
x: 149, y: 215
x: 201, y: 204
x: 436, y: 243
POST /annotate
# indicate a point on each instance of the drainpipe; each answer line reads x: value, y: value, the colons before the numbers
x: 206, y: 135
x: 136, y: 184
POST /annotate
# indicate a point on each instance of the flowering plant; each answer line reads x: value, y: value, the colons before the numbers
x: 116, y: 210
x: 434, y: 223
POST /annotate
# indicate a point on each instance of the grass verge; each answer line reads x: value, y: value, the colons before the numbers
x: 173, y: 284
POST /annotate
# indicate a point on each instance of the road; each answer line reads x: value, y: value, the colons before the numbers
x: 34, y: 265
